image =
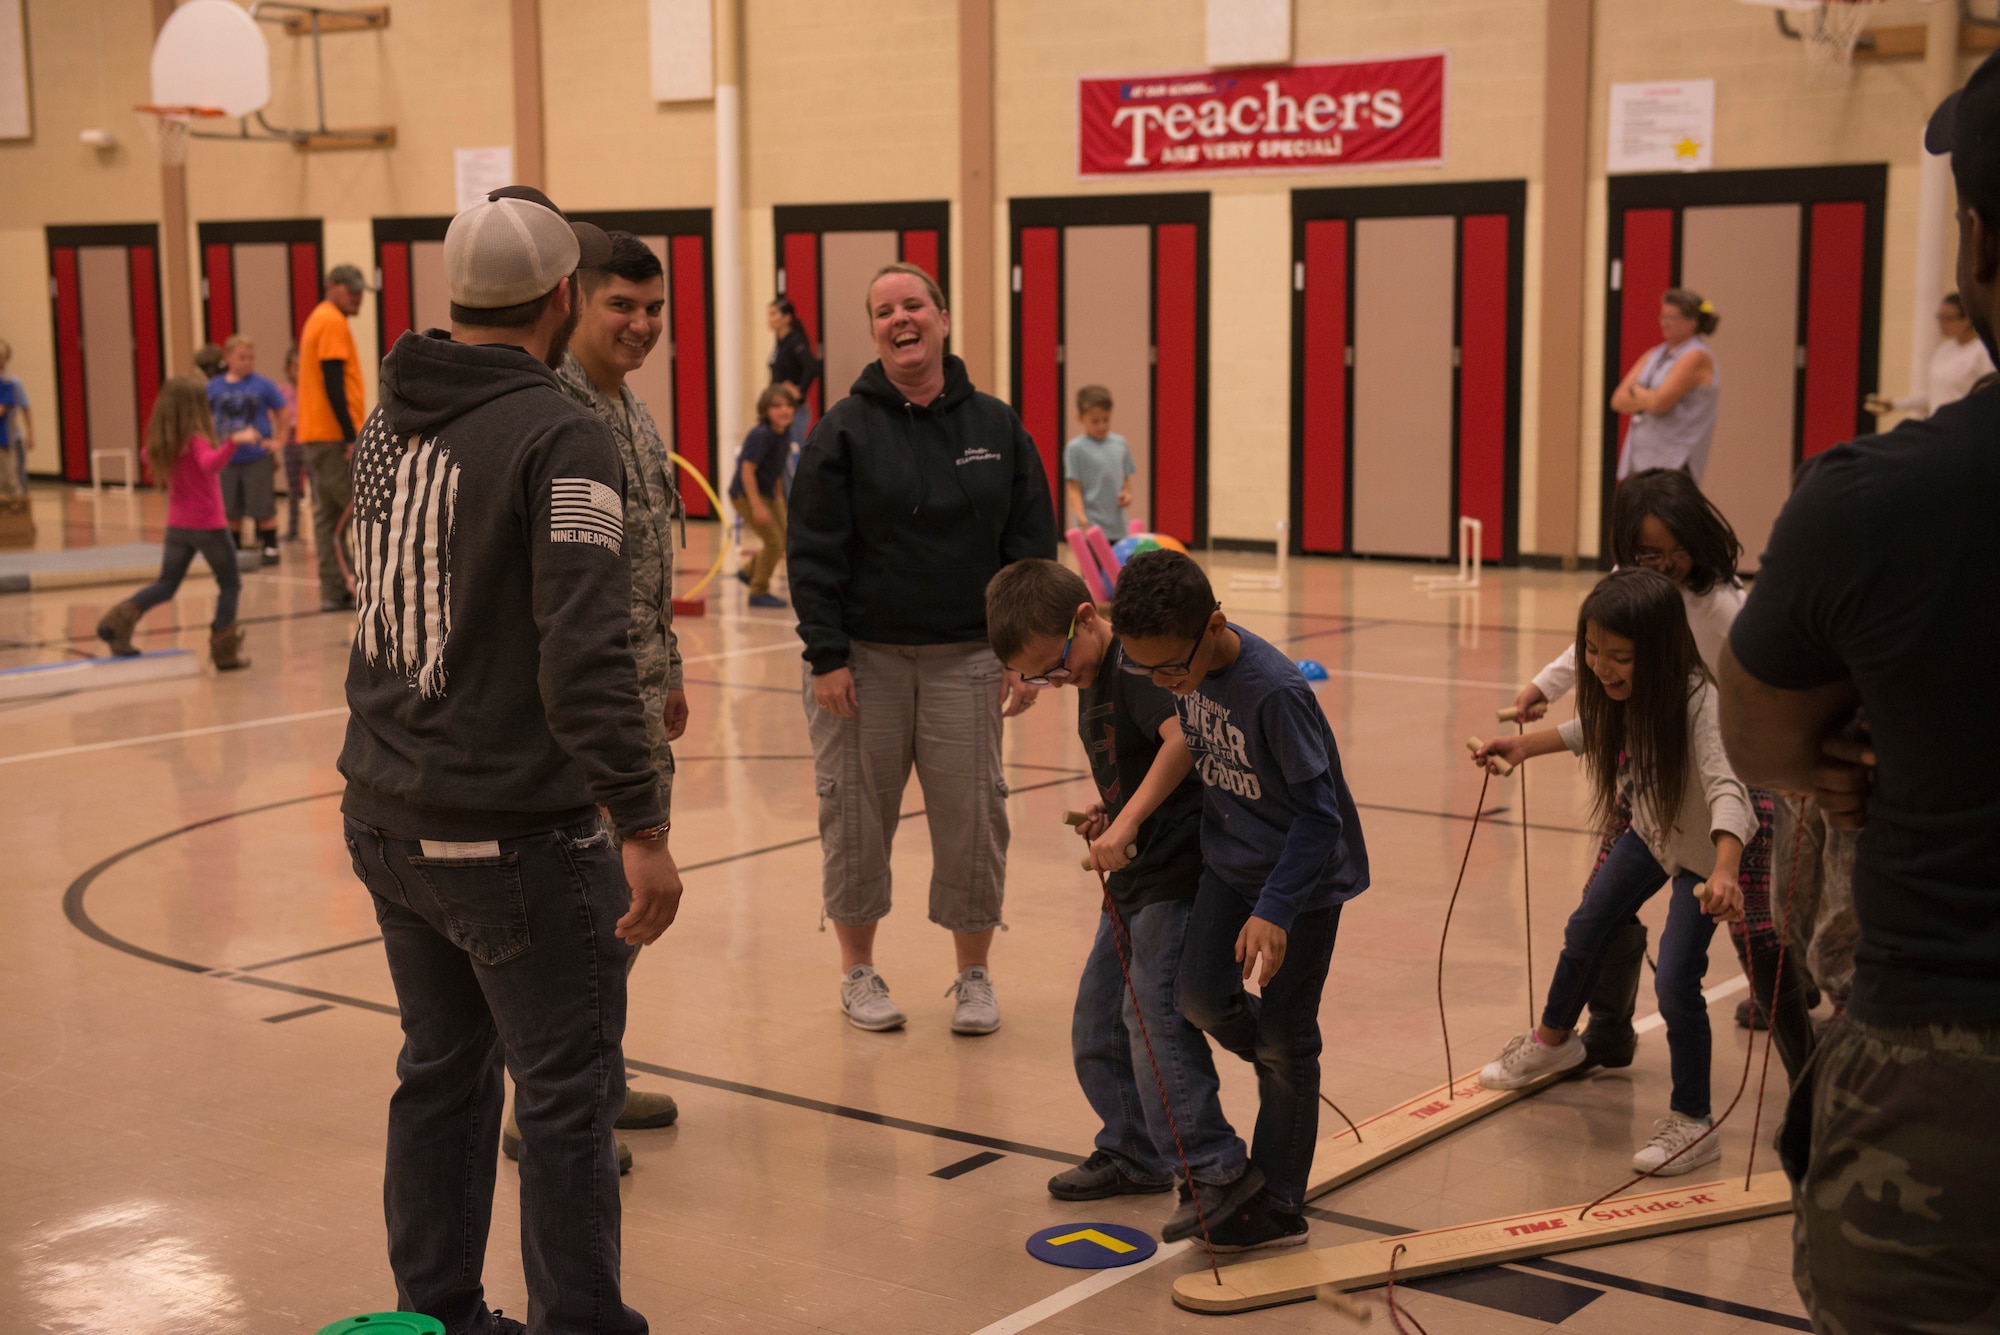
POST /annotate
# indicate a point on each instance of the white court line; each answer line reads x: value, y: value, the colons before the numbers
x: 287, y: 718
x: 1711, y: 995
x: 1064, y: 1299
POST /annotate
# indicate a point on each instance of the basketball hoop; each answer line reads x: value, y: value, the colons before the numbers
x: 1827, y: 30
x: 169, y: 127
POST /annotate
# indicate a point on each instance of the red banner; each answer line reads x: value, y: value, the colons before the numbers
x: 1287, y: 116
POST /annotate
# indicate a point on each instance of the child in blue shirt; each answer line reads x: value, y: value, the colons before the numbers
x: 1098, y: 465
x: 1041, y: 623
x: 249, y: 412
x: 1284, y: 851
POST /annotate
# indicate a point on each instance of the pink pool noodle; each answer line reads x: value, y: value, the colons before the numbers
x: 1086, y: 565
x: 1100, y: 546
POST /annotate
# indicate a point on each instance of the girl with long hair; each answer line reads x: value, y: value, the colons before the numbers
x: 1647, y: 730
x: 1661, y: 521
x: 181, y: 447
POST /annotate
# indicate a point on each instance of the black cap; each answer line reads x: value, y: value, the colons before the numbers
x: 593, y: 246
x: 1967, y: 126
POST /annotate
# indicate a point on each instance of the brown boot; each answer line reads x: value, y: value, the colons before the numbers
x: 225, y: 646
x: 115, y: 628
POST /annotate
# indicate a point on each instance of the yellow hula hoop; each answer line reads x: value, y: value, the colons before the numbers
x: 722, y: 548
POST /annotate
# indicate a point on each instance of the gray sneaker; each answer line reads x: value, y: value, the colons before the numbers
x: 865, y: 998
x: 1527, y: 1059
x: 978, y: 1010
x: 1672, y: 1135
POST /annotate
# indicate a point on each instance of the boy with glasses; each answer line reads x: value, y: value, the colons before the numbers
x: 1042, y: 624
x: 1282, y: 851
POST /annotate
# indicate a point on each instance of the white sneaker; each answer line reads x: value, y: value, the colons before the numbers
x: 1527, y: 1059
x: 978, y: 1010
x: 865, y: 998
x: 1672, y: 1134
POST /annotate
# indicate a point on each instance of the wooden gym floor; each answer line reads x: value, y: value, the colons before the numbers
x: 197, y: 1044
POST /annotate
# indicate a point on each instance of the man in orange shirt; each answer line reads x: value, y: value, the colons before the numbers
x: 330, y: 410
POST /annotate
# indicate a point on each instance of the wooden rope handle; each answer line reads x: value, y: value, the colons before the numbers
x: 1494, y: 763
x: 1511, y: 714
x: 1346, y: 1306
x: 1078, y: 818
x: 1074, y: 818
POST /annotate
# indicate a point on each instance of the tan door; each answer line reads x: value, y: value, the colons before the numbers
x: 1403, y: 279
x: 848, y: 261
x: 1745, y: 260
x: 104, y: 287
x: 1107, y: 340
x: 430, y: 299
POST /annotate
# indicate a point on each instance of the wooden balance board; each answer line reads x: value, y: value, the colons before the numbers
x: 1339, y: 1159
x: 1362, y: 1265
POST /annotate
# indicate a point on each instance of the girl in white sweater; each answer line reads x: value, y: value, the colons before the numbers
x: 1647, y: 729
x: 1661, y: 521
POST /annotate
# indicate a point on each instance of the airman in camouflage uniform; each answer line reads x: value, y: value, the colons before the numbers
x: 652, y: 505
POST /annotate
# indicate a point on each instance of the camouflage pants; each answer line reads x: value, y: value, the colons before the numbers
x: 1895, y: 1181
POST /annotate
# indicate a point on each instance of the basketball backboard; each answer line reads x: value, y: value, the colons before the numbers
x: 210, y: 53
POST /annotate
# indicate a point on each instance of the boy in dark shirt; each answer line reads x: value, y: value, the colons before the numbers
x: 1042, y: 624
x: 1283, y: 851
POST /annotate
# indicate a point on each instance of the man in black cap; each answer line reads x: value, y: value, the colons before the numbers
x: 1861, y: 671
x: 495, y: 709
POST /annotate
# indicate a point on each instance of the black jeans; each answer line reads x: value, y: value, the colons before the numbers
x: 505, y: 951
x: 1278, y: 1032
x: 217, y: 547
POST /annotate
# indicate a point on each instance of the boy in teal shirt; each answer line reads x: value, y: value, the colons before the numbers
x: 1098, y: 465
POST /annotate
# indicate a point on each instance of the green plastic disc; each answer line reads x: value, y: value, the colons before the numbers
x: 386, y: 1323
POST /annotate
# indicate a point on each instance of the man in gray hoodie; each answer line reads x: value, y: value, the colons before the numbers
x: 495, y: 712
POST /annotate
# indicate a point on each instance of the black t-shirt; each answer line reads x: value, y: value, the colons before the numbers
x: 1884, y: 569
x: 768, y: 451
x: 1118, y: 716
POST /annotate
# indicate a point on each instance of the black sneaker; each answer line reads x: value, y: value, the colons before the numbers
x: 1610, y: 1054
x: 1750, y: 1015
x: 270, y: 554
x: 1217, y: 1202
x: 506, y: 1325
x: 1257, y: 1225
x: 1097, y: 1177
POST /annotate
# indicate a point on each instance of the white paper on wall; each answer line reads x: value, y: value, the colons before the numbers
x: 1249, y: 32
x: 683, y: 40
x: 1661, y: 127
x: 15, y: 122
x: 478, y: 172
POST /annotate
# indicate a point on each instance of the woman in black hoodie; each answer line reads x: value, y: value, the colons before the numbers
x: 912, y: 492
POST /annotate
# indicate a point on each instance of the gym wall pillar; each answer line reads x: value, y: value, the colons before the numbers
x: 1565, y: 151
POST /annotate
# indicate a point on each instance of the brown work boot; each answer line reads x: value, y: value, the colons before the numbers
x: 225, y: 646
x: 646, y: 1110
x: 115, y: 628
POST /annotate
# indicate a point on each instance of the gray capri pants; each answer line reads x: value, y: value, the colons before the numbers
x: 937, y: 707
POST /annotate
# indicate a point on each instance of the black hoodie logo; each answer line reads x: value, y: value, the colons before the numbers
x: 404, y: 495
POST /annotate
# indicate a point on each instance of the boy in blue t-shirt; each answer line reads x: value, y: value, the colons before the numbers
x: 1098, y: 465
x: 1283, y: 847
x: 1041, y: 623
x: 245, y: 406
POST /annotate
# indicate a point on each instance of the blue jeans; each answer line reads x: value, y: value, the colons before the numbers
x: 177, y: 552
x: 1278, y: 1033
x: 1111, y: 1063
x: 1626, y: 878
x: 505, y: 957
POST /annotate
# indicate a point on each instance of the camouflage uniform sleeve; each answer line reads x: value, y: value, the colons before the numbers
x: 674, y: 512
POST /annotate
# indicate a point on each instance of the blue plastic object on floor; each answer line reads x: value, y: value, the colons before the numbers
x: 1312, y: 669
x: 386, y: 1323
x: 1091, y: 1246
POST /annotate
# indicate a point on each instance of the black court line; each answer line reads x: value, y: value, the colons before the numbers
x: 1685, y: 1297
x: 740, y: 685
x: 1485, y: 818
x: 1348, y: 629
x: 79, y: 917
x: 964, y: 1166
x: 302, y: 1011
x: 309, y: 954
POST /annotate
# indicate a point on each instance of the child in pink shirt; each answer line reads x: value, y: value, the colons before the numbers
x: 180, y: 447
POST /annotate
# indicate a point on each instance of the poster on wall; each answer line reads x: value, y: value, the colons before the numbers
x: 1661, y: 127
x: 478, y: 172
x: 1339, y: 114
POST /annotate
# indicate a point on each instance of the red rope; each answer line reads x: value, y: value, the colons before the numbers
x: 1450, y: 1072
x: 1121, y: 939
x: 1777, y: 986
x: 1396, y: 1313
x: 1749, y: 1050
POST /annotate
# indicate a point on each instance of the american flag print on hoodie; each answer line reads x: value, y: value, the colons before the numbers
x: 405, y: 492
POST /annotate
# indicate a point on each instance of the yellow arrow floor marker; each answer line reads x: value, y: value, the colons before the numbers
x: 1103, y: 1240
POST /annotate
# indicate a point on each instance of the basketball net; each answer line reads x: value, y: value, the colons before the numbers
x: 1829, y: 35
x: 169, y: 129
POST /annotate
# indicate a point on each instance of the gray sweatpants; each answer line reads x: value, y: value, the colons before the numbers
x: 935, y: 706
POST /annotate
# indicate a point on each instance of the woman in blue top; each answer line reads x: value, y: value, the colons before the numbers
x: 1671, y: 392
